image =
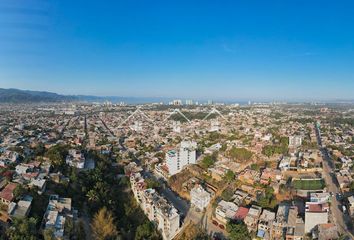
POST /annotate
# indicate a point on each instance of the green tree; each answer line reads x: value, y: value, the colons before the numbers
x: 80, y: 231
x: 69, y: 227
x: 152, y: 183
x: 227, y: 194
x: 19, y: 191
x: 241, y: 154
x: 92, y: 196
x: 146, y: 231
x: 48, y: 234
x: 39, y: 149
x: 23, y: 228
x: 207, y: 161
x: 238, y: 231
x: 57, y: 155
x: 268, y: 199
x: 351, y: 186
x: 255, y: 167
x: 202, y: 235
x: 229, y: 176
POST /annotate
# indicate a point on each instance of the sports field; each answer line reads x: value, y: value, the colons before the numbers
x: 308, y: 184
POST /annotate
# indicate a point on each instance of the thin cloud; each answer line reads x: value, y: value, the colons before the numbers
x: 227, y: 48
x: 304, y: 54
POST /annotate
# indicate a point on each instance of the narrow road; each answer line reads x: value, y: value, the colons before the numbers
x: 338, y: 217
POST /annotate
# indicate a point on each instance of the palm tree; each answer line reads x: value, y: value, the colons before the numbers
x: 92, y: 196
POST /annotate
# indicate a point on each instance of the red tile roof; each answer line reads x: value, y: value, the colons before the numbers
x: 7, y: 192
x: 241, y: 213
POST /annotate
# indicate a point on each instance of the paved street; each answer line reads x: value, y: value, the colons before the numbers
x: 338, y: 217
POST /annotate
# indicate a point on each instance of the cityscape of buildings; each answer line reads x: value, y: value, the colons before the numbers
x: 221, y: 171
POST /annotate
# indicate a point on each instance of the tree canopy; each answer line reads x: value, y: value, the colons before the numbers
x: 103, y: 227
x: 241, y: 154
x: 146, y: 231
x: 23, y: 228
x: 238, y: 231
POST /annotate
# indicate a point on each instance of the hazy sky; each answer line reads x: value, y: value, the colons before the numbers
x: 195, y: 49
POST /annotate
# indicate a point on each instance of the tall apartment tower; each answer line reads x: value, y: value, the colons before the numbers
x: 177, y: 159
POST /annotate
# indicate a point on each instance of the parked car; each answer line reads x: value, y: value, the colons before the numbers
x: 344, y: 208
x: 339, y: 196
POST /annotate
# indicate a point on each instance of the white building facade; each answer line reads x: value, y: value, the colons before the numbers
x: 176, y: 160
x: 199, y: 197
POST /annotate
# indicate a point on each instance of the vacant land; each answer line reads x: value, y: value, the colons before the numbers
x: 308, y: 184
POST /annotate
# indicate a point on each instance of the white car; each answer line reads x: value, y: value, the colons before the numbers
x: 344, y: 208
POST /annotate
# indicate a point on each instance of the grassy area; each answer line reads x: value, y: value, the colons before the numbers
x: 308, y: 184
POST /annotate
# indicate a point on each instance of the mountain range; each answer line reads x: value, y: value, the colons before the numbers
x: 12, y: 95
x: 25, y: 96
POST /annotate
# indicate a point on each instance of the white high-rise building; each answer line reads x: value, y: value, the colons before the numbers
x: 176, y: 160
x: 176, y: 102
x: 189, y: 102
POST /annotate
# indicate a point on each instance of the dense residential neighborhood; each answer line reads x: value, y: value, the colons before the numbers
x: 176, y: 171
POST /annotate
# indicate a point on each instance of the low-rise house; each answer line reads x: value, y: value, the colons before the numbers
x: 199, y: 197
x: 21, y: 208
x: 315, y: 213
x: 40, y: 183
x: 249, y: 176
x: 22, y: 169
x: 286, y: 217
x: 7, y: 194
x: 75, y: 159
x: 225, y: 211
x: 295, y: 141
x: 270, y: 175
x: 326, y: 231
x: 9, y: 156
x: 265, y: 224
x: 252, y: 217
x: 239, y: 197
x: 58, y: 210
x: 297, y: 231
x: 241, y: 213
x: 343, y: 181
x: 131, y: 168
x: 320, y: 197
x: 295, y: 225
x: 285, y: 163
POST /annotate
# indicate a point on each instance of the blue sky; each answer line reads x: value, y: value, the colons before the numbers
x: 192, y: 49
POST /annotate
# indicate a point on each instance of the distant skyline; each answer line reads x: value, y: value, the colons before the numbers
x: 259, y: 50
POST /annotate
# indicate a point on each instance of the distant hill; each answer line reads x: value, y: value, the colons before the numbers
x: 26, y: 96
